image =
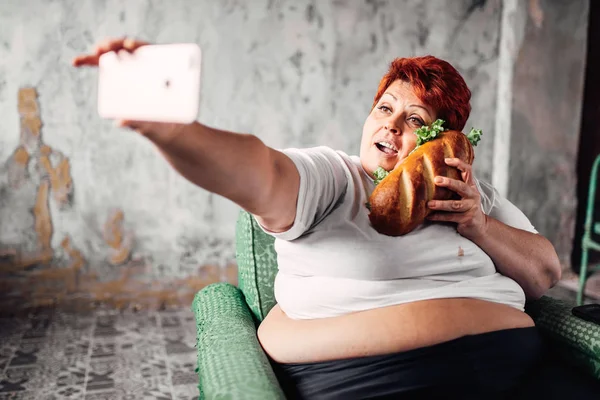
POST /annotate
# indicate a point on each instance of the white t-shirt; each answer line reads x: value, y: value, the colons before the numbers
x: 332, y: 262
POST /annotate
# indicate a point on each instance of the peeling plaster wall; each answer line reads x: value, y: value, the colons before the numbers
x: 92, y: 212
x: 546, y: 119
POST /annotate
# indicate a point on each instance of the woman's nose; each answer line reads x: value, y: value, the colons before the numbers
x: 392, y: 127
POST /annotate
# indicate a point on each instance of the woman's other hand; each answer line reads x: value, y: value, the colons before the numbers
x: 466, y: 212
x: 527, y: 258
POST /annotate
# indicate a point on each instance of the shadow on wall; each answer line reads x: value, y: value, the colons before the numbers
x: 35, y: 188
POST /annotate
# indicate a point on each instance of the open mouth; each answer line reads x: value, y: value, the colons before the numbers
x: 387, y: 148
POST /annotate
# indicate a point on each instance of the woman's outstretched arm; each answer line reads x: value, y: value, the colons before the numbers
x: 240, y: 167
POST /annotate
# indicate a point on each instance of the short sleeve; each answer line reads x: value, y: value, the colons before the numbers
x: 502, y: 209
x: 323, y: 183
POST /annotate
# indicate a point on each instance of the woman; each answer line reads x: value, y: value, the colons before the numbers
x: 362, y: 315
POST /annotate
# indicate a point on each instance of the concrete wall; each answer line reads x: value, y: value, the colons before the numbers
x: 91, y: 212
x: 546, y: 118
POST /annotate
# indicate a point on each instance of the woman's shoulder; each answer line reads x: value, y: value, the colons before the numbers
x: 320, y: 154
x: 319, y: 150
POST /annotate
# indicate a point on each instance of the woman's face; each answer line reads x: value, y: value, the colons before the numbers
x: 388, y: 131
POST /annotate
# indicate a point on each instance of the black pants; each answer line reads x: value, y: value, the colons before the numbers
x: 485, y: 366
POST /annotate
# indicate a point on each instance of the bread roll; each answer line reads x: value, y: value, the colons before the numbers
x: 399, y: 203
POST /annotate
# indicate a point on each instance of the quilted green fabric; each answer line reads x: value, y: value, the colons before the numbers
x: 575, y: 339
x: 231, y: 362
x: 257, y: 265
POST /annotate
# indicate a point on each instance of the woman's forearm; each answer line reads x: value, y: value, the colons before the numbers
x: 528, y: 258
x: 239, y: 167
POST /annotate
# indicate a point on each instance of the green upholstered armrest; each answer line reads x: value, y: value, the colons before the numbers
x: 574, y: 339
x: 231, y: 362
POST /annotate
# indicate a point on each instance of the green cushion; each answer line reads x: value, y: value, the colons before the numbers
x: 257, y: 265
x: 231, y: 362
x: 577, y: 340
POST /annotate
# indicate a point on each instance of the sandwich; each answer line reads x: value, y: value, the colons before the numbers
x: 399, y: 202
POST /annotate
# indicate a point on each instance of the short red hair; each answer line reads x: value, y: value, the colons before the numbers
x: 437, y: 83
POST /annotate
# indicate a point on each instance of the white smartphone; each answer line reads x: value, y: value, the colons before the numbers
x: 158, y: 83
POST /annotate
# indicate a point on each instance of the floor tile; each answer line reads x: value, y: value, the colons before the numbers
x: 178, y: 341
x: 33, y: 395
x: 105, y: 395
x: 184, y: 374
x: 186, y: 392
x: 104, y: 355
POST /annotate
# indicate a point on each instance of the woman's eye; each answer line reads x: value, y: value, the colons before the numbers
x: 417, y: 121
x: 385, y: 109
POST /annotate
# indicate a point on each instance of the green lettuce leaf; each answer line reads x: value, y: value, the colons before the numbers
x: 474, y: 136
x: 427, y: 133
x: 379, y: 174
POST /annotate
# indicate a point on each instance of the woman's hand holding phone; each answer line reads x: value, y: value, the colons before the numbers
x: 159, y: 93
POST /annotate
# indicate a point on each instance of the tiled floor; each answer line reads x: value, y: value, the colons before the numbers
x: 107, y: 355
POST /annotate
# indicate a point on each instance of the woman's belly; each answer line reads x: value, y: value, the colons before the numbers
x: 383, y: 330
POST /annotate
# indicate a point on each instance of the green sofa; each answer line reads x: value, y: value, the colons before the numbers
x: 232, y: 364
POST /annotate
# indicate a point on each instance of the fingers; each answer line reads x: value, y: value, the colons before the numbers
x: 103, y: 47
x: 124, y: 124
x: 106, y: 46
x: 142, y: 127
x: 443, y: 217
x: 466, y: 212
x: 150, y: 128
x: 463, y: 205
x: 466, y: 170
x: 132, y: 44
x: 109, y: 45
x: 455, y: 185
x: 135, y: 125
x: 458, y: 163
x: 125, y: 43
x: 87, y: 59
